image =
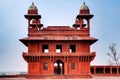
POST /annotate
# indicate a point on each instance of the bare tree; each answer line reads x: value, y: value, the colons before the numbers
x: 113, y: 55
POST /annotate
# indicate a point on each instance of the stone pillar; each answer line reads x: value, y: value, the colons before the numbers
x: 39, y: 67
x: 117, y: 70
x: 88, y: 23
x: 61, y: 69
x: 95, y: 70
x: 110, y: 70
x: 37, y: 24
x: 78, y: 66
x: 103, y: 70
x: 65, y: 66
x: 28, y: 24
x: 52, y: 68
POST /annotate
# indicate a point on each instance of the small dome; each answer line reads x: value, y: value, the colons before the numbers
x: 84, y: 7
x: 32, y: 7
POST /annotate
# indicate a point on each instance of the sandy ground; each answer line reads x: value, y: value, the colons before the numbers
x: 94, y: 78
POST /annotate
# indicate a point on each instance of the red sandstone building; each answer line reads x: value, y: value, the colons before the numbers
x: 62, y: 50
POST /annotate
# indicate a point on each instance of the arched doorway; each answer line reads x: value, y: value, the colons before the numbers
x: 59, y: 67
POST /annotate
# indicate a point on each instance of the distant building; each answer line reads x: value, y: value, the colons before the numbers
x: 61, y: 50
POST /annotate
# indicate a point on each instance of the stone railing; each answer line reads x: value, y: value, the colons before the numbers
x: 59, y: 54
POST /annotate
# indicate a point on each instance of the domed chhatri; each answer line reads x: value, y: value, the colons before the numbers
x: 32, y: 7
x: 84, y: 9
x: 33, y: 17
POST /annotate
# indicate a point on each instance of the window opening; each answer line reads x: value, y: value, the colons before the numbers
x: 107, y: 70
x: 114, y: 70
x: 84, y: 23
x: 45, y: 48
x: 72, y: 48
x: 72, y: 66
x: 92, y: 70
x: 99, y: 70
x: 58, y: 48
x: 45, y: 66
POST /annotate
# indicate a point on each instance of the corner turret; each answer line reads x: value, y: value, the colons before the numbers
x: 83, y: 18
x: 33, y: 18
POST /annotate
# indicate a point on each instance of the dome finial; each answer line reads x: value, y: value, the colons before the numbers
x: 32, y: 3
x: 83, y: 3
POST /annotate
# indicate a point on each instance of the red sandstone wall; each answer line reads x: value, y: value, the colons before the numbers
x: 76, y: 70
x: 33, y: 47
x: 37, y: 67
x: 34, y: 68
x: 37, y: 46
x: 50, y: 70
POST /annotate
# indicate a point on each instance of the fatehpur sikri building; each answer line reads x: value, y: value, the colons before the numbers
x: 62, y: 51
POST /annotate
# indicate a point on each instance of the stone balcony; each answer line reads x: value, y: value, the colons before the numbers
x: 82, y: 56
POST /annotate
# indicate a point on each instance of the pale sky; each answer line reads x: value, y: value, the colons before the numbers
x: 105, y: 26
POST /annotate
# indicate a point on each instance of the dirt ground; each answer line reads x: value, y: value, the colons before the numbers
x: 94, y: 78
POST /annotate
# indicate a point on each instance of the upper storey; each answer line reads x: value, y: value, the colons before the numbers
x: 79, y: 31
x: 80, y: 27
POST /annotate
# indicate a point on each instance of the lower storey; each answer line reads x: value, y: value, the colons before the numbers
x: 60, y: 66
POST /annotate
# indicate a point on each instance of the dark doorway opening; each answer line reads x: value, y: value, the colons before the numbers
x: 59, y: 67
